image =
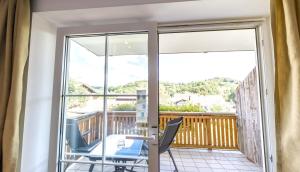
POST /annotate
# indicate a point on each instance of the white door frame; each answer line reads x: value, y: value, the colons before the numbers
x: 265, y: 72
x: 60, y: 66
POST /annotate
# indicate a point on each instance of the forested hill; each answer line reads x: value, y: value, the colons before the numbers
x: 216, y: 86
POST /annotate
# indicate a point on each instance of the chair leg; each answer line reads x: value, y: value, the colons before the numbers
x: 170, y: 153
x: 91, y: 167
x: 133, y: 166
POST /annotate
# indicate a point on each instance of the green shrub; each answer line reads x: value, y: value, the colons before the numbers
x: 124, y: 107
x: 182, y: 108
x: 217, y: 108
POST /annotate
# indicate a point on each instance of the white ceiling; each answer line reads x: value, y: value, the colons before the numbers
x: 154, y: 11
x: 211, y: 41
x: 172, y: 43
x: 160, y: 12
x: 135, y: 44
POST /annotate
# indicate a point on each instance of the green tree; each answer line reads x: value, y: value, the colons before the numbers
x: 75, y: 87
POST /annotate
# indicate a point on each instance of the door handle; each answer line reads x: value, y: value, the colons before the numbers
x: 153, y: 137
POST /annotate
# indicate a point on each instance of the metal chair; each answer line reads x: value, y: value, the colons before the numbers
x: 76, y: 141
x: 168, y: 137
x: 78, y: 145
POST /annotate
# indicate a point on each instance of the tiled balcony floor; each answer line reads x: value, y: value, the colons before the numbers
x: 199, y: 160
x: 192, y: 160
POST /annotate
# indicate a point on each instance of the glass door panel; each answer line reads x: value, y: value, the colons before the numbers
x: 126, y: 102
x: 210, y: 79
x: 82, y: 100
x: 105, y: 103
x: 85, y: 62
x: 127, y: 64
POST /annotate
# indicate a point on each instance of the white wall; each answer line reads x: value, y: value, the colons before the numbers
x: 37, y: 124
x: 201, y: 10
x: 36, y: 135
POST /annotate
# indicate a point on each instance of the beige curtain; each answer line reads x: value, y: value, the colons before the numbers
x: 14, y: 41
x: 286, y: 24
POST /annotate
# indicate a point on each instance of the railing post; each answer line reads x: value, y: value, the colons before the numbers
x: 209, y: 141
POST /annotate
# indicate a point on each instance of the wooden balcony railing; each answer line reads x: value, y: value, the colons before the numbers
x: 204, y: 130
x: 199, y: 130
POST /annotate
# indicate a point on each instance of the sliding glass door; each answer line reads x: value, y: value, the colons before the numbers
x: 105, y: 103
x: 114, y: 97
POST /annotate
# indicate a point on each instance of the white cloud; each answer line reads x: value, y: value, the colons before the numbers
x: 199, y: 66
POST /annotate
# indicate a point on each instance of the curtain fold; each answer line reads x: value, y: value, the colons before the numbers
x: 285, y: 16
x: 14, y: 42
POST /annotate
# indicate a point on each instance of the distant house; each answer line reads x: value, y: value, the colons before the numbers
x: 181, y: 102
x: 88, y: 88
x: 206, y: 102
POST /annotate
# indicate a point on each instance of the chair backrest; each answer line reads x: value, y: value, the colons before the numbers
x: 169, y: 134
x: 73, y: 135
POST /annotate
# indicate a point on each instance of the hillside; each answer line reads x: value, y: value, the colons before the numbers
x: 216, y: 86
x: 215, y: 95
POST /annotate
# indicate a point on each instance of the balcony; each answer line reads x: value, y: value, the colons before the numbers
x: 204, y: 142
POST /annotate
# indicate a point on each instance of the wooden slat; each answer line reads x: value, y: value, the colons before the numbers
x: 181, y: 134
x: 165, y: 122
x: 122, y: 125
x: 214, y: 132
x: 127, y: 125
x: 209, y: 139
x: 201, y: 129
x: 235, y: 133
x: 161, y: 122
x: 119, y: 124
x: 178, y: 136
x: 188, y: 128
x: 226, y: 131
x: 196, y: 131
x: 115, y: 124
x: 122, y: 131
x: 231, y: 132
x: 222, y: 132
x: 194, y: 127
x: 218, y: 132
x: 205, y: 131
x: 100, y: 127
x: 185, y: 131
x: 133, y: 123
